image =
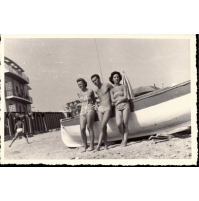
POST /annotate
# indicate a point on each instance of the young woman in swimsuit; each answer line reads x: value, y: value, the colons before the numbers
x: 19, y: 129
x: 122, y: 107
x: 87, y: 113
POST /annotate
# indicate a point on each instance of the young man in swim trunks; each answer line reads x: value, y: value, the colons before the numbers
x: 19, y: 129
x: 104, y: 110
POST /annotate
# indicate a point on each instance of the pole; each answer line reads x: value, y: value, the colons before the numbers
x: 30, y: 125
x: 44, y: 123
x: 98, y: 59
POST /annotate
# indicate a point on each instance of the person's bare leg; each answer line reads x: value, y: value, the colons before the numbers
x: 103, y: 123
x: 26, y: 138
x: 100, y: 116
x: 105, y: 138
x: 119, y: 122
x: 83, y: 131
x: 90, y: 121
x: 126, y: 114
x: 16, y: 136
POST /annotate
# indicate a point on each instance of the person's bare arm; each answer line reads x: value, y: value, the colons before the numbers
x: 110, y: 86
x: 78, y: 104
x: 93, y: 97
x: 96, y: 100
x: 114, y: 100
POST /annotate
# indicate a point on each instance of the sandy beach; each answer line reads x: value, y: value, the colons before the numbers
x: 50, y: 146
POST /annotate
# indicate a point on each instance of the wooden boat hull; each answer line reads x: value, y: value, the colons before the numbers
x: 164, y: 110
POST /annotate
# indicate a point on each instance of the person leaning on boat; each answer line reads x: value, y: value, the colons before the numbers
x: 104, y: 109
x: 122, y: 107
x: 87, y: 113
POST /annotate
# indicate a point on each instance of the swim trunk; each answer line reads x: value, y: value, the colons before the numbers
x: 19, y: 130
x: 103, y: 109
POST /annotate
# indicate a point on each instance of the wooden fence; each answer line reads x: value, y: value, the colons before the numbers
x: 36, y: 122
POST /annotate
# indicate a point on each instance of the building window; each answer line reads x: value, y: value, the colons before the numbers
x: 9, y: 89
x: 22, y: 92
x: 8, y: 86
x: 20, y: 109
x: 12, y: 108
x: 17, y: 91
x: 24, y: 108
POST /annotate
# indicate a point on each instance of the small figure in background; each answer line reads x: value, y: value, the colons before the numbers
x: 19, y: 130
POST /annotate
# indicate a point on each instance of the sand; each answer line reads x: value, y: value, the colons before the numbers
x: 50, y: 146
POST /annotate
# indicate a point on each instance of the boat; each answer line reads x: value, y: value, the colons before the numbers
x: 162, y: 110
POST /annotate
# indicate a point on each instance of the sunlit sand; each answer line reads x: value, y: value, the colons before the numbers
x: 50, y: 146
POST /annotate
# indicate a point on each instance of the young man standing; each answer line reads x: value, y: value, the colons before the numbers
x: 104, y: 110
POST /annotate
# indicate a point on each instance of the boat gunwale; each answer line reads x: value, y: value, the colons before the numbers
x: 159, y: 91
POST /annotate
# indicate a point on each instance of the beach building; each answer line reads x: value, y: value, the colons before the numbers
x: 17, y: 98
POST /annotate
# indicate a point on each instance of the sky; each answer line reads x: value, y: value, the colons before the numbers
x: 54, y: 64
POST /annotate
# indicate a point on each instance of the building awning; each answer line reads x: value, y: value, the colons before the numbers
x: 28, y: 87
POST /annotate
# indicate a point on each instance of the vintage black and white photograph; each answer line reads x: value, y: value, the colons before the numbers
x: 0, y: 99
x: 84, y: 100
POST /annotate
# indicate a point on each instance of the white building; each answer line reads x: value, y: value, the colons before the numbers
x: 17, y: 98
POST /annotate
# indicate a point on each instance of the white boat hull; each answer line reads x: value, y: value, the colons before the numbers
x: 163, y: 117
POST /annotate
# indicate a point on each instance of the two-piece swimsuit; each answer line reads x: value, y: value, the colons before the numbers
x: 123, y: 105
x: 87, y: 105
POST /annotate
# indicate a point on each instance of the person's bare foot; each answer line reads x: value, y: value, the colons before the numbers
x: 83, y: 151
x: 106, y: 147
x: 85, y: 148
x: 91, y: 149
x: 123, y: 145
x: 97, y: 149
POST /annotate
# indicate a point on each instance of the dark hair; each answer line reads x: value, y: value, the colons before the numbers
x: 81, y: 79
x: 95, y: 75
x: 112, y: 74
x: 18, y: 118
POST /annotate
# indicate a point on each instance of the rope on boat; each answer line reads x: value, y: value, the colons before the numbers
x: 98, y: 59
